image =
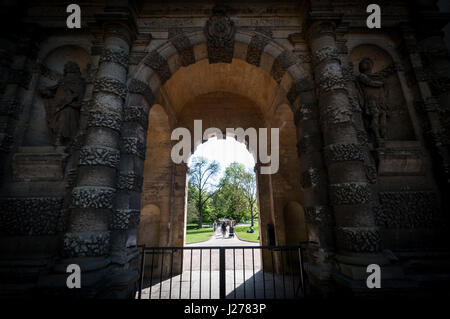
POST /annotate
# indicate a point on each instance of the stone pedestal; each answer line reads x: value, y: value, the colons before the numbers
x: 400, y: 158
x: 32, y: 164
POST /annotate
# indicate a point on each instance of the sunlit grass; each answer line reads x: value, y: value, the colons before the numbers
x: 194, y: 235
x: 241, y: 232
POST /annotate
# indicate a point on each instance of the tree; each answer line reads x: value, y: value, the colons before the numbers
x: 192, y: 212
x: 201, y: 174
x: 248, y: 184
x: 237, y: 196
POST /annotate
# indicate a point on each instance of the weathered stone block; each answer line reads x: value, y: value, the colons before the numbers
x: 401, y: 158
x: 39, y: 164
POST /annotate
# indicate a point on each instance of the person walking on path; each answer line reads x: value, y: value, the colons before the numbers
x: 224, y: 229
x: 231, y: 229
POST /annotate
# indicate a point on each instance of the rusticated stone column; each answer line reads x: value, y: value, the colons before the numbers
x: 178, y: 204
x: 126, y: 213
x: 95, y: 189
x: 430, y: 63
x: 17, y: 87
x: 318, y: 214
x: 357, y: 238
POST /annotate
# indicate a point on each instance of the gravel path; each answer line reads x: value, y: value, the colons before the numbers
x: 251, y: 260
x: 244, y: 276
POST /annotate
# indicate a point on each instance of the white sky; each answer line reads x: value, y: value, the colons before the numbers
x: 224, y: 151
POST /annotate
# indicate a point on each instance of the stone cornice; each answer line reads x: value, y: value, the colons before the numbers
x: 119, y: 16
x: 321, y: 22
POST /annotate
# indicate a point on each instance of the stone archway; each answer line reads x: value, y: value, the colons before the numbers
x: 335, y: 136
x: 252, y: 77
x: 260, y: 76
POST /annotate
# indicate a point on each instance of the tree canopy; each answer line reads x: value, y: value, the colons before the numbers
x: 233, y: 197
x: 201, y: 176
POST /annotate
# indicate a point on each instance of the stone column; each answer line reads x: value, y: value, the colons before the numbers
x: 178, y: 211
x: 429, y: 58
x: 318, y: 213
x: 126, y: 213
x: 21, y: 56
x: 178, y: 204
x: 87, y: 241
x: 266, y: 217
x: 357, y: 238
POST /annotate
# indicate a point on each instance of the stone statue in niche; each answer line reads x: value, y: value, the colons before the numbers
x: 372, y: 100
x: 63, y: 103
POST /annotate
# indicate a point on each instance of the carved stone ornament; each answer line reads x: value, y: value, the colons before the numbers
x: 318, y: 215
x: 220, y: 31
x: 137, y: 114
x: 86, y: 244
x: 159, y: 64
x: 343, y: 152
x: 183, y: 45
x: 133, y: 146
x: 93, y: 197
x: 336, y: 111
x: 112, y: 56
x: 363, y: 240
x: 281, y: 64
x: 310, y: 178
x: 110, y: 120
x: 255, y: 49
x: 324, y: 54
x: 110, y: 85
x: 349, y: 193
x: 407, y: 210
x: 103, y: 156
x: 30, y: 216
x: 130, y: 181
x: 124, y: 219
x: 142, y: 88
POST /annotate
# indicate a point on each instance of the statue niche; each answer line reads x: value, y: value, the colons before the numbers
x: 63, y: 102
x: 372, y: 98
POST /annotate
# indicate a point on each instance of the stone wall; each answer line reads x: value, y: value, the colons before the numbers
x: 147, y: 69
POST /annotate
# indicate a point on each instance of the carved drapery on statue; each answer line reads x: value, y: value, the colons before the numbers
x: 63, y: 103
x: 372, y: 100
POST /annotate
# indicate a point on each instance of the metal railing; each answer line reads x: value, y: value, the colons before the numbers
x: 236, y: 272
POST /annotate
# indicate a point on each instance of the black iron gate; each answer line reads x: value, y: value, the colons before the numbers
x: 236, y: 272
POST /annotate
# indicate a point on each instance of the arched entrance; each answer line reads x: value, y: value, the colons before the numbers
x: 82, y: 203
x: 251, y: 90
x: 223, y: 95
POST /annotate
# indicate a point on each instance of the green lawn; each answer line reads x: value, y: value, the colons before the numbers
x: 194, y: 235
x: 241, y: 232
